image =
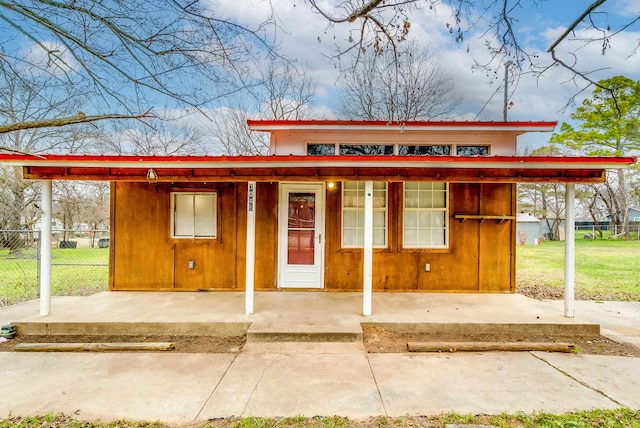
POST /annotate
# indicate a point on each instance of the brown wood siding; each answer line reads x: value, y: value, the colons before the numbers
x: 480, y: 256
x: 145, y: 255
x: 458, y: 268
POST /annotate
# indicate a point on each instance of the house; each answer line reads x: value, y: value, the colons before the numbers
x: 336, y: 206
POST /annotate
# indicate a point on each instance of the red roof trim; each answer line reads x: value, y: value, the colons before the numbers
x: 206, y: 161
x: 382, y: 123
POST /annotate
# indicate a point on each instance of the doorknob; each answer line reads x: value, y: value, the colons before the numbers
x: 320, y: 238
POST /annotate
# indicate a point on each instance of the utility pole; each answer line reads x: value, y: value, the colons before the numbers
x: 506, y: 88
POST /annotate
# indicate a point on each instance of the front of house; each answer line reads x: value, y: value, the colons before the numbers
x: 335, y: 206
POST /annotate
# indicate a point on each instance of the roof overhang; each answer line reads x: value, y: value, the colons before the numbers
x: 375, y: 125
x: 317, y: 168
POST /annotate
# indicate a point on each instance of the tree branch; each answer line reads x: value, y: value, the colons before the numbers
x: 69, y: 120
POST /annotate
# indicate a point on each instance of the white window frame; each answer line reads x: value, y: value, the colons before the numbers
x: 194, y: 234
x: 444, y: 210
x: 360, y: 228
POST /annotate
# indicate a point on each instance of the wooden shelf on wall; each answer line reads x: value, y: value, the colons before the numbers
x: 481, y: 218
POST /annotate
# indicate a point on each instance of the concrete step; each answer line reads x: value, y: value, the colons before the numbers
x: 36, y: 328
x: 576, y: 329
x: 304, y: 336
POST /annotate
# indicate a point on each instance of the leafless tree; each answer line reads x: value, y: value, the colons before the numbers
x: 283, y: 92
x: 381, y: 25
x: 397, y: 86
x: 157, y: 137
x: 27, y: 98
x: 132, y: 54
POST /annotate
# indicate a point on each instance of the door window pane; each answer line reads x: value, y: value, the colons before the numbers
x: 301, y: 229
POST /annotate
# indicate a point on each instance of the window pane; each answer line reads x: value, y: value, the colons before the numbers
x: 321, y: 149
x: 183, y: 211
x: 472, y: 150
x: 205, y: 215
x: 425, y: 215
x: 350, y: 219
x: 379, y: 219
x: 424, y: 150
x: 365, y: 149
x: 300, y: 250
x: 378, y: 237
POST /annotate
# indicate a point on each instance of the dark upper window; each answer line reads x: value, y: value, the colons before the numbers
x: 436, y: 150
x: 321, y: 149
x: 366, y: 149
x: 472, y: 150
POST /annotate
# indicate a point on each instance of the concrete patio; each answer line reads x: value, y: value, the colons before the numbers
x: 292, y: 316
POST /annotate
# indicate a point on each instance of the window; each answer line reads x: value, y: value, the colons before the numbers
x: 321, y: 149
x: 425, y: 215
x: 435, y: 150
x: 353, y: 214
x: 472, y: 150
x: 194, y: 215
x: 366, y: 149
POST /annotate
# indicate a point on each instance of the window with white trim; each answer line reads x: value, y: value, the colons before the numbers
x: 194, y: 215
x: 353, y: 214
x: 425, y: 215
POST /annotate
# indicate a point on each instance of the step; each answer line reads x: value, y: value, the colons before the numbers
x: 36, y: 328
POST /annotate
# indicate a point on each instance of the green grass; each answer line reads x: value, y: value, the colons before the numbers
x: 605, y: 269
x: 75, y: 271
x: 618, y: 418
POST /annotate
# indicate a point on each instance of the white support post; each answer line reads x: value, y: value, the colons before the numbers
x: 367, y: 263
x: 251, y: 249
x: 569, y: 250
x: 45, y: 249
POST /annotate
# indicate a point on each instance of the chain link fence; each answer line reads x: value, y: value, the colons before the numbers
x: 79, y: 263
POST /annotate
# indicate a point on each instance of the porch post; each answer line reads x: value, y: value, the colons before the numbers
x: 569, y: 249
x: 45, y: 249
x: 367, y: 276
x: 251, y: 248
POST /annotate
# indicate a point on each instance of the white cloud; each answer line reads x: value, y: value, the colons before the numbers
x: 50, y: 58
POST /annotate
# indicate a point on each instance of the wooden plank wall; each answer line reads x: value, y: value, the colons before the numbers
x: 481, y: 255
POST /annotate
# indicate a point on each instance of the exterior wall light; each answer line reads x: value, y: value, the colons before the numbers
x: 331, y: 185
x: 152, y: 177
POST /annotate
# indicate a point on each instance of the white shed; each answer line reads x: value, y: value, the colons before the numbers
x: 527, y: 229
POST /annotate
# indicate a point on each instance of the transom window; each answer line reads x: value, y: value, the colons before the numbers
x: 435, y: 150
x: 366, y: 149
x: 425, y: 215
x: 472, y: 150
x: 194, y: 215
x: 353, y: 214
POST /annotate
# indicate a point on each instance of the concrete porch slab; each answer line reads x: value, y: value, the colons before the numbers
x: 292, y: 316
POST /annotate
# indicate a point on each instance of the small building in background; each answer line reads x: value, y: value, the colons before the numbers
x: 527, y: 229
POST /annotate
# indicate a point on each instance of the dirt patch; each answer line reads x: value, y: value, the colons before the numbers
x: 546, y: 292
x: 380, y: 340
x: 189, y: 344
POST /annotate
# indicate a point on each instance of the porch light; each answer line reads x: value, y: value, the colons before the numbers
x: 331, y: 185
x: 152, y: 177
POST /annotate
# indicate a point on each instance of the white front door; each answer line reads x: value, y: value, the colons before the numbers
x: 301, y: 240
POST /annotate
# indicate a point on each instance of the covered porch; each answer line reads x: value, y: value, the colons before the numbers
x: 292, y: 316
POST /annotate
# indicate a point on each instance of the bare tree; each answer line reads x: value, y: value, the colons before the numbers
x: 134, y: 55
x: 157, y: 137
x: 397, y: 86
x: 381, y: 25
x: 27, y: 98
x: 283, y: 92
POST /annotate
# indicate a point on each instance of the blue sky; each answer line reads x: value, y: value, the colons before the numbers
x: 306, y: 37
x: 534, y: 98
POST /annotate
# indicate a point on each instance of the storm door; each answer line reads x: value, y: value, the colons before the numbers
x: 301, y: 229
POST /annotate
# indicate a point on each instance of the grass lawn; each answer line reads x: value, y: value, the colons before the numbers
x: 605, y: 269
x: 74, y: 272
x: 619, y: 418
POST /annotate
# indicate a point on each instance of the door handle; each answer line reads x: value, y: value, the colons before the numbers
x: 320, y: 238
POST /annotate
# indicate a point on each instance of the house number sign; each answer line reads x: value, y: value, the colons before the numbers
x: 251, y: 197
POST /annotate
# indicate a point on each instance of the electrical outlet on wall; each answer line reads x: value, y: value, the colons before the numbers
x: 427, y: 267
